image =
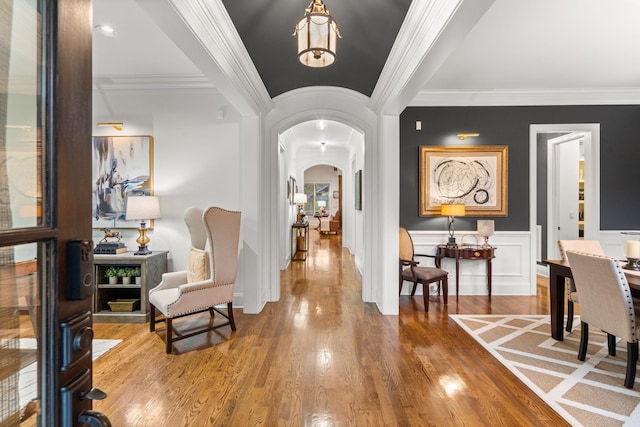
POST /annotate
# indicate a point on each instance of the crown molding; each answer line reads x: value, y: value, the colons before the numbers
x: 524, y: 97
x: 430, y: 32
x: 205, y: 33
x: 153, y: 83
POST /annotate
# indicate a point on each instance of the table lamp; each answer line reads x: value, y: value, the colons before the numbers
x: 452, y: 210
x: 142, y: 208
x: 486, y: 228
x: 300, y: 199
x: 322, y: 204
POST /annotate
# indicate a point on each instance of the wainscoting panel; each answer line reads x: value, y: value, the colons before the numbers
x: 512, y: 267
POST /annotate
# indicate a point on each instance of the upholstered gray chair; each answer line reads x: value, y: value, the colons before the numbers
x: 209, y: 279
x: 415, y: 274
x: 588, y: 246
x: 605, y: 303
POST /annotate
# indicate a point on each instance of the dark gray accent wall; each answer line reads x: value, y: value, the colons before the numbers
x: 619, y: 157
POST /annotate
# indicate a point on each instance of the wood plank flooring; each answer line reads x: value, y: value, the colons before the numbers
x: 322, y: 357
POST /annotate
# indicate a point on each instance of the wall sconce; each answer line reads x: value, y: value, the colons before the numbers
x: 142, y: 208
x: 323, y: 147
x: 486, y: 228
x: 116, y: 125
x: 452, y: 211
x: 464, y: 136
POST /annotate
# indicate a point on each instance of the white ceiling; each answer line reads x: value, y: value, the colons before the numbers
x: 517, y: 44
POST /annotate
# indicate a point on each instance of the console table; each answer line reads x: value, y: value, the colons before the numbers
x: 466, y: 252
x: 300, y: 232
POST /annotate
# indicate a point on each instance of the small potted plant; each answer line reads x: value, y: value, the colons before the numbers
x: 112, y: 274
x: 124, y: 273
x: 137, y: 274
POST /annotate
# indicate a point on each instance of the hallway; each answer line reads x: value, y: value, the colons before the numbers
x: 321, y: 357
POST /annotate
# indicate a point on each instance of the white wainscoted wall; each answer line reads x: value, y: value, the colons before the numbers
x: 513, y: 273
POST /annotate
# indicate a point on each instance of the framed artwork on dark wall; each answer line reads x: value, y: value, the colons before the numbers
x: 474, y: 176
x: 358, y: 190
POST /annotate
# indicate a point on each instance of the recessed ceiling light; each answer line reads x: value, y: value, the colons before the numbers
x: 106, y: 30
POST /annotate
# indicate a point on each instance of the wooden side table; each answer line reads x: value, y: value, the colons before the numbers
x: 470, y: 253
x: 152, y: 266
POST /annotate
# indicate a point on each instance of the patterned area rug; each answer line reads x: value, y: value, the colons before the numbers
x: 589, y: 393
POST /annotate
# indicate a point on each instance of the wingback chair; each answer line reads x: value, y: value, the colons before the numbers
x: 209, y: 279
x: 605, y: 303
x: 416, y: 274
x: 589, y: 246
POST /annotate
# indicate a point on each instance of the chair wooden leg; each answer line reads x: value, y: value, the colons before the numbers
x: 413, y: 291
x: 169, y: 335
x: 569, y: 316
x: 611, y: 344
x: 632, y: 357
x: 584, y: 341
x: 425, y: 296
x: 232, y: 322
x: 152, y: 320
x: 445, y: 290
x: 212, y: 312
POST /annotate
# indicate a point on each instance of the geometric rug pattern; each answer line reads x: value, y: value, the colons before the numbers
x: 589, y: 393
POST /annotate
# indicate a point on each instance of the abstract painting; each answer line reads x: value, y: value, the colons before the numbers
x: 473, y: 176
x: 122, y: 166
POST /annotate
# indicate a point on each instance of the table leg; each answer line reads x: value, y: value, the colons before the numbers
x: 556, y: 302
x: 489, y: 277
x: 457, y: 277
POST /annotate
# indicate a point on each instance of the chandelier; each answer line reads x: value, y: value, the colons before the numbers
x: 317, y: 32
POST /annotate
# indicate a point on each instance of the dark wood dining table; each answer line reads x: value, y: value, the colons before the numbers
x: 558, y: 272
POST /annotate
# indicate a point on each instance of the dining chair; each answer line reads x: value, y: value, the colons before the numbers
x: 588, y: 246
x: 416, y: 274
x: 209, y: 279
x: 605, y: 303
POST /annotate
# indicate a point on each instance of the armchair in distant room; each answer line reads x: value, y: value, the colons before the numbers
x: 330, y: 224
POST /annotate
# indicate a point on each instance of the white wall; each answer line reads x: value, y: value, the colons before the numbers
x: 197, y: 160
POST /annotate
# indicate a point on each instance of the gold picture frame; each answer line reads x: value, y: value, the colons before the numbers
x: 474, y: 176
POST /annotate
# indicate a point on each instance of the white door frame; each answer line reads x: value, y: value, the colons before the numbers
x: 591, y: 182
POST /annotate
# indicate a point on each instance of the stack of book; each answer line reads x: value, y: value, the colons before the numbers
x: 110, y: 248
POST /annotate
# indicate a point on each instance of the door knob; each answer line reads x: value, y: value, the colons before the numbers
x: 94, y: 419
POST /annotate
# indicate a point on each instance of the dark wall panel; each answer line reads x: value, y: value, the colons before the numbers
x: 619, y: 157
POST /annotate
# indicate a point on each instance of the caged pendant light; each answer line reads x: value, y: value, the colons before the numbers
x: 317, y: 33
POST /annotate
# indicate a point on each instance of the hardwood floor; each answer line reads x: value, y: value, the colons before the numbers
x: 322, y: 357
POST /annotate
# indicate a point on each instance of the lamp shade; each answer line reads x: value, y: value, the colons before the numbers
x: 299, y: 198
x: 452, y: 210
x: 322, y: 204
x: 142, y: 207
x: 485, y: 227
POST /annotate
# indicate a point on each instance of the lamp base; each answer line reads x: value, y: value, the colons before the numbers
x: 143, y: 250
x: 452, y: 243
x: 632, y: 264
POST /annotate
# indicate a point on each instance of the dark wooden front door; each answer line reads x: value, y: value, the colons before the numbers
x: 45, y: 224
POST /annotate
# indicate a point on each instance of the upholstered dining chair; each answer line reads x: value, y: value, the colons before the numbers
x: 588, y: 246
x: 209, y: 279
x: 416, y: 274
x: 605, y: 303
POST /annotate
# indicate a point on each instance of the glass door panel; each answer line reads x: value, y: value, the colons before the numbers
x: 20, y: 335
x: 21, y: 208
